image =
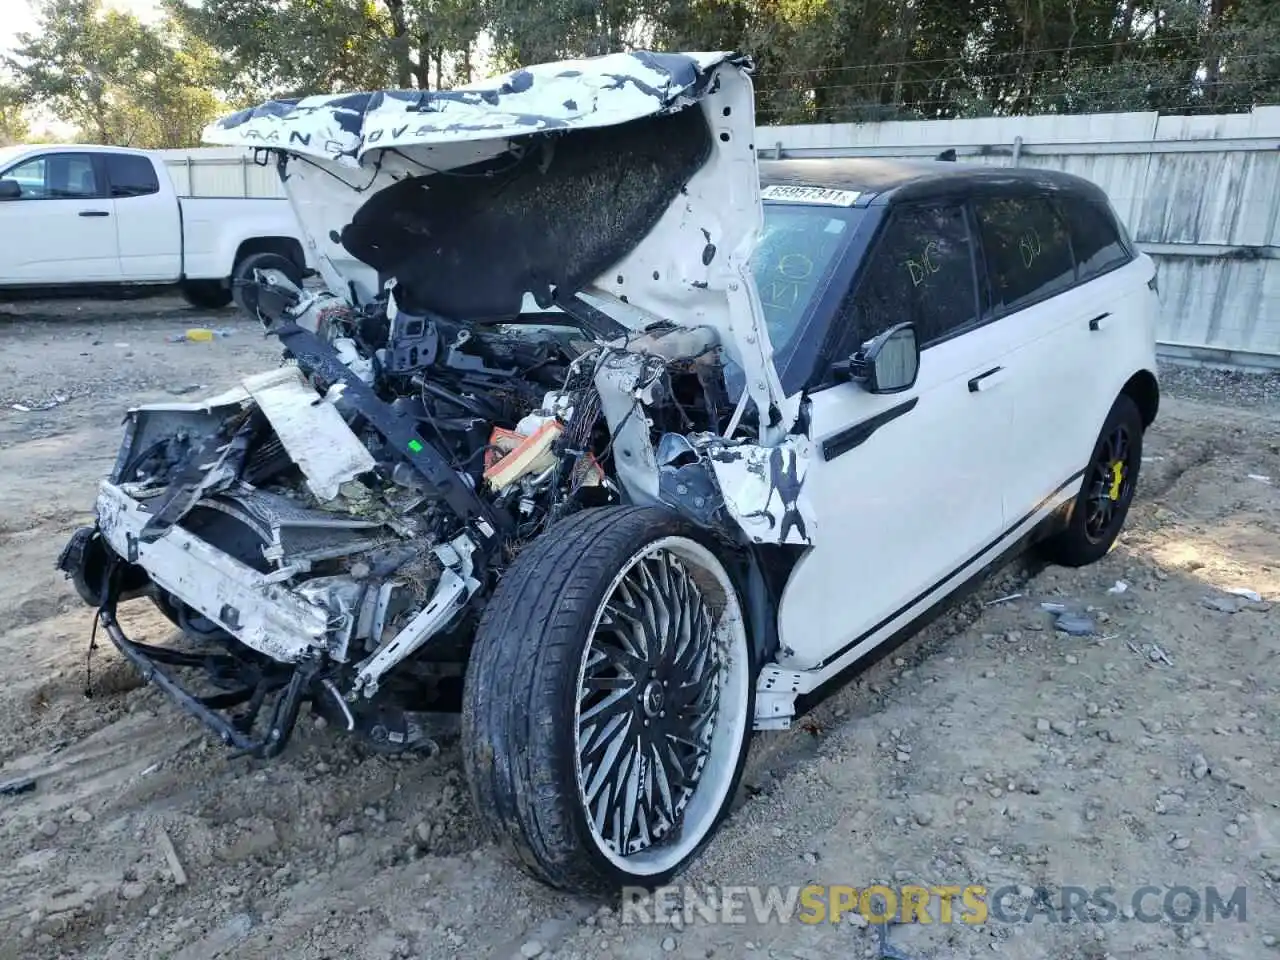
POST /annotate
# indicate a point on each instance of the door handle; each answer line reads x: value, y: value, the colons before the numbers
x: 94, y: 213
x: 1098, y: 322
x: 985, y: 381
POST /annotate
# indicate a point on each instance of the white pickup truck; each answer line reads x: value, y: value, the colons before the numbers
x: 91, y: 218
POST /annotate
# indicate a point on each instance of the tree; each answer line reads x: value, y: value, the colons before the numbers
x: 298, y: 47
x: 115, y: 78
x: 13, y: 121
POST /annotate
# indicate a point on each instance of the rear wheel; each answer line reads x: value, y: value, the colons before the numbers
x: 1099, y: 510
x: 608, y: 701
x: 243, y: 274
x: 206, y: 294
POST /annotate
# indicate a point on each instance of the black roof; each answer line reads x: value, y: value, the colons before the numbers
x: 916, y: 179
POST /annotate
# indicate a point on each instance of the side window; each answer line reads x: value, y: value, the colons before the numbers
x: 131, y: 176
x: 1027, y: 248
x: 1095, y: 238
x: 921, y: 271
x: 56, y: 176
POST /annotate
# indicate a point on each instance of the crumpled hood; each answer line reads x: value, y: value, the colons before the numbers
x: 628, y: 177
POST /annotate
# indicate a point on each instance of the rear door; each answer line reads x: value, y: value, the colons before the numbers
x: 1027, y: 251
x: 1063, y: 380
x: 148, y: 225
x: 904, y: 487
x: 61, y: 230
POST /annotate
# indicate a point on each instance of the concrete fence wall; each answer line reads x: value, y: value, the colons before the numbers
x: 1200, y: 194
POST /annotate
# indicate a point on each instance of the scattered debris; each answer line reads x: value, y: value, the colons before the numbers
x: 1074, y: 625
x: 198, y: 335
x: 1252, y: 595
x: 1012, y: 596
x: 1119, y: 587
x: 11, y: 788
x: 1259, y: 477
x: 39, y: 406
x: 1158, y: 655
x: 1221, y: 604
x: 1053, y: 607
x: 171, y: 857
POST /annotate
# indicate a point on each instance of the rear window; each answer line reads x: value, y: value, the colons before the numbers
x: 131, y: 176
x: 1028, y: 250
x: 798, y: 249
x: 1095, y: 237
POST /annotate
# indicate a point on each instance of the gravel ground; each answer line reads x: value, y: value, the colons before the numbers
x: 1229, y: 388
x: 990, y: 749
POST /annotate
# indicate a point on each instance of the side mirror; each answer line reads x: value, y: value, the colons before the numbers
x: 10, y: 190
x: 887, y: 364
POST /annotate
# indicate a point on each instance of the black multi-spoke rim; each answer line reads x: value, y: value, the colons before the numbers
x: 647, y: 704
x: 1109, y: 484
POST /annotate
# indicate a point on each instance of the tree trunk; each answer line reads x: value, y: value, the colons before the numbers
x: 400, y: 43
x: 1126, y: 31
x: 422, y: 69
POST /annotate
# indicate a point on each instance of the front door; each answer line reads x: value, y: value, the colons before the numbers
x: 906, y: 487
x: 62, y: 229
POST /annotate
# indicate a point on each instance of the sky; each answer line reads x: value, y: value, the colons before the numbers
x: 16, y: 17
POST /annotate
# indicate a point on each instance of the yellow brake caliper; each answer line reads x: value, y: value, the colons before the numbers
x: 1117, y: 478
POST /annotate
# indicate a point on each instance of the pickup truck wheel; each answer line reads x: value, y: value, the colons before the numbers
x: 1099, y: 511
x: 609, y: 700
x: 206, y: 294
x: 243, y: 273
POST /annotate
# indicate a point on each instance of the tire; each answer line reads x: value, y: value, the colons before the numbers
x: 243, y: 273
x: 542, y: 638
x: 1098, y: 513
x: 206, y: 294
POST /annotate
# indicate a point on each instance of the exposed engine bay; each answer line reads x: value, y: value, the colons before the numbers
x: 327, y: 531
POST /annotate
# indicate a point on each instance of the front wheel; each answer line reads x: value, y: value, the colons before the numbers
x: 608, y: 701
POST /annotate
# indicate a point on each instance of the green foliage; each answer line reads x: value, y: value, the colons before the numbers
x: 115, y: 78
x: 14, y: 127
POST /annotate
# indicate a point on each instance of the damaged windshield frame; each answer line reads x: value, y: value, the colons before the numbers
x: 797, y: 356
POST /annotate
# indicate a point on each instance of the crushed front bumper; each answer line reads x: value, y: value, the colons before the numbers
x: 285, y: 635
x: 287, y: 687
x: 262, y: 615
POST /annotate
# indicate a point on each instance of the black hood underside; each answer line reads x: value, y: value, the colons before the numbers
x: 555, y: 212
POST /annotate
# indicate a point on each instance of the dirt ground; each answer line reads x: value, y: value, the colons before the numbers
x: 991, y: 749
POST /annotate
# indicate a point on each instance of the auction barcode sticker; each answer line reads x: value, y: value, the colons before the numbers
x: 798, y: 194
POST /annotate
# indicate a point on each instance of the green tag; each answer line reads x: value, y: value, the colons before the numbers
x: 415, y: 446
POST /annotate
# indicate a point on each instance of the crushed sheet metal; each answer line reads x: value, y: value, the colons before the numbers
x: 763, y: 490
x: 264, y: 616
x: 313, y: 433
x: 787, y: 193
x: 571, y: 94
x: 228, y: 398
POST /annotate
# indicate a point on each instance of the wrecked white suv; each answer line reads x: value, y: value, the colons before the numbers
x: 617, y: 440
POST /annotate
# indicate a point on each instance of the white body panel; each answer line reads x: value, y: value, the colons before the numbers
x: 153, y: 238
x: 932, y: 497
x: 149, y: 231
x: 906, y: 506
x: 49, y: 240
